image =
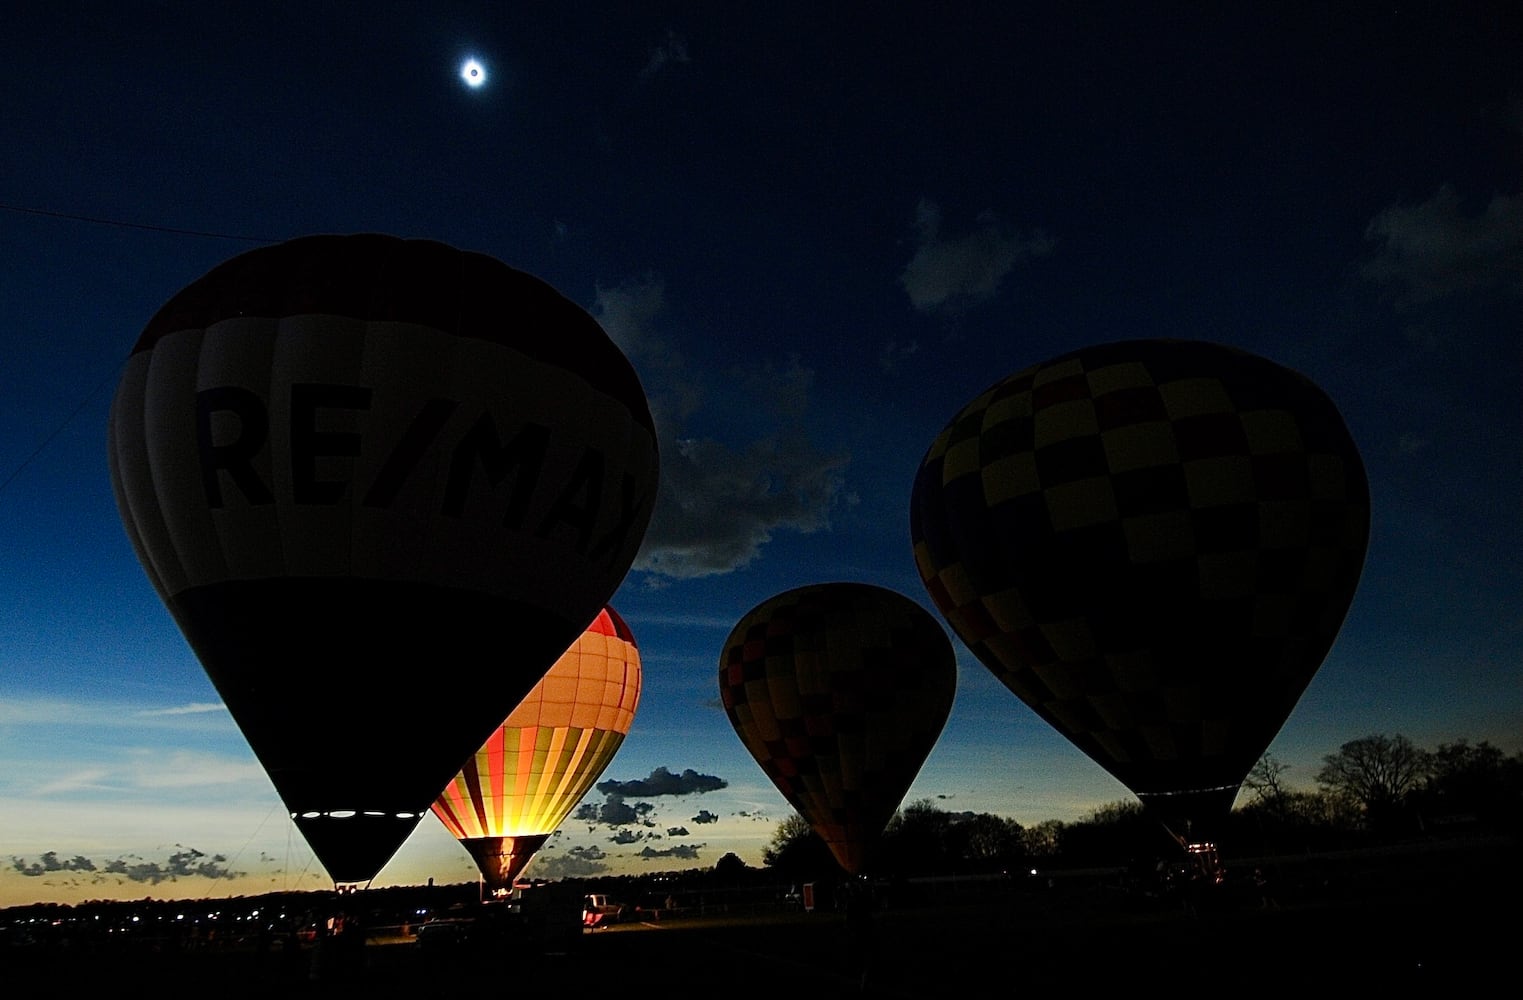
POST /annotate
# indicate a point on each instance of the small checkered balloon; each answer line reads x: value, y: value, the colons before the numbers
x: 839, y: 690
x: 1153, y: 544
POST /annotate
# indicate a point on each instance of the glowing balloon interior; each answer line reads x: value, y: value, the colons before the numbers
x: 840, y: 691
x: 536, y: 767
x: 1153, y: 544
x: 350, y: 465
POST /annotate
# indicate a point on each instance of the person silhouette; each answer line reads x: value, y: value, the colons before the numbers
x: 1267, y: 900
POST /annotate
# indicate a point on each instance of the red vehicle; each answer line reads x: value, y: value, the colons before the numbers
x: 599, y: 910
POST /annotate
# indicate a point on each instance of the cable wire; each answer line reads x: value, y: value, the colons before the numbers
x: 121, y: 224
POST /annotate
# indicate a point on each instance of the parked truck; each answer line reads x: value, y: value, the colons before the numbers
x: 600, y: 910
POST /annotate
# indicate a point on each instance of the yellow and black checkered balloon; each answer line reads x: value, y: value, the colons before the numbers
x: 839, y: 690
x: 1153, y: 544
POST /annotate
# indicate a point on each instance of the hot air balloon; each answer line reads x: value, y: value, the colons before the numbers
x: 351, y: 465
x: 1152, y: 543
x: 531, y: 772
x: 839, y: 690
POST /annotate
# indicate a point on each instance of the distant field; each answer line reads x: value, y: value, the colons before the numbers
x: 1402, y: 922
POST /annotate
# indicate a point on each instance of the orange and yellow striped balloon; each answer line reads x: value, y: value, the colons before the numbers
x: 513, y: 793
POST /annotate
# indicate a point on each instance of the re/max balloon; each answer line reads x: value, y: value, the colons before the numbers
x: 351, y: 465
x: 1153, y: 544
x: 528, y: 776
x: 840, y: 691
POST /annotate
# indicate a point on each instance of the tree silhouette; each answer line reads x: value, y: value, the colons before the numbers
x: 797, y: 852
x: 1371, y: 789
x: 1264, y: 778
x: 730, y: 866
x: 986, y: 842
x: 1378, y: 772
x: 1473, y: 782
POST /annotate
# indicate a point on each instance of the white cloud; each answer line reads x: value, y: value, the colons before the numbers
x: 106, y: 750
x: 951, y: 272
x: 83, y: 779
x: 1435, y: 249
x: 626, y: 313
x: 27, y: 711
x: 156, y: 769
x: 128, y: 771
x: 720, y: 506
x: 673, y: 49
x: 194, y: 708
x: 719, y: 502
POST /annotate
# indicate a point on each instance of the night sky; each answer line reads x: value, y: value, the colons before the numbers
x: 816, y: 235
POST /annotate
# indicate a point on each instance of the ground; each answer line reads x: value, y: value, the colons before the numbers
x: 1403, y: 923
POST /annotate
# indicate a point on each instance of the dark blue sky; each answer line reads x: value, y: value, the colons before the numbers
x: 816, y: 234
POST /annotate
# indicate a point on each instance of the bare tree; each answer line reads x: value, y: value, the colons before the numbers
x: 1378, y: 772
x: 1265, y: 779
x: 1271, y: 798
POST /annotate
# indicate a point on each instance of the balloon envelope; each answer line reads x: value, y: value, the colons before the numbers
x: 350, y: 465
x: 840, y: 691
x: 1153, y: 544
x: 528, y: 776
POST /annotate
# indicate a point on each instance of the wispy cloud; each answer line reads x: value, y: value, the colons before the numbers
x: 140, y: 769
x: 953, y: 272
x: 84, y: 779
x: 671, y: 50
x: 32, y: 711
x: 191, y: 769
x: 1439, y: 248
x: 194, y: 708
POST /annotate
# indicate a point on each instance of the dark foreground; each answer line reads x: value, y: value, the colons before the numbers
x: 1407, y: 923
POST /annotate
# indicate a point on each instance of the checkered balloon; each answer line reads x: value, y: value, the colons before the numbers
x: 1153, y: 544
x: 839, y: 690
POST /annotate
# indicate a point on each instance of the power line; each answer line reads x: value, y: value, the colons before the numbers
x: 55, y: 432
x: 121, y: 224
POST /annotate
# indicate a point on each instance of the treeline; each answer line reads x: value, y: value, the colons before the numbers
x: 1375, y: 790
